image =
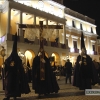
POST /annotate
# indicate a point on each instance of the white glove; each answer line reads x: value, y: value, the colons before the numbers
x: 43, y: 61
x: 39, y: 54
x: 80, y: 62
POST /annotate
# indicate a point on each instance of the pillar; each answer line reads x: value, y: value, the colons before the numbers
x: 64, y: 34
x: 57, y: 32
x: 34, y: 19
x: 9, y: 20
x: 20, y: 21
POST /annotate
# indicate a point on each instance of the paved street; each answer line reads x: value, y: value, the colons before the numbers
x: 66, y: 92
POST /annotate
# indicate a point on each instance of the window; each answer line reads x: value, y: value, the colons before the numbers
x: 91, y: 30
x: 93, y: 47
x: 67, y: 42
x: 73, y: 24
x: 81, y: 27
x: 75, y: 44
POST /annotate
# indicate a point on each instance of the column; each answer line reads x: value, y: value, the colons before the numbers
x: 96, y: 47
x: 57, y: 32
x: 34, y: 20
x: 47, y: 30
x: 47, y: 22
x: 64, y: 34
x: 9, y: 20
x: 20, y: 21
x: 88, y: 44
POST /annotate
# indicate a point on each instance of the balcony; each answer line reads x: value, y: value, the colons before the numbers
x: 95, y: 52
x: 63, y: 46
x: 54, y: 44
x: 74, y: 50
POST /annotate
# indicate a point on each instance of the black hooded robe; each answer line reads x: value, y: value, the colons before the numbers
x: 13, y: 79
x: 14, y: 76
x: 83, y: 74
x: 49, y: 85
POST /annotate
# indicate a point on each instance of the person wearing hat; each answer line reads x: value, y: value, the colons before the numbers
x: 43, y: 79
x: 15, y: 83
x: 83, y: 73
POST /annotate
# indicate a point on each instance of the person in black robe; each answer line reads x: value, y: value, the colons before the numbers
x: 47, y: 86
x: 15, y: 81
x: 84, y: 72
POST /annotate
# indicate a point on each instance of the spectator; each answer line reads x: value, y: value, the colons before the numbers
x: 68, y: 70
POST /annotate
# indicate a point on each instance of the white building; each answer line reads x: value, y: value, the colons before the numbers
x: 14, y: 12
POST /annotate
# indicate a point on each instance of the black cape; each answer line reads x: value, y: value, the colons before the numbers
x: 49, y: 85
x: 15, y: 82
x: 85, y: 74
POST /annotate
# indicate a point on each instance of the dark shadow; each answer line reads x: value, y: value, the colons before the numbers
x: 56, y: 95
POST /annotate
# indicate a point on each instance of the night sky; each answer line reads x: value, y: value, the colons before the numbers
x: 90, y: 8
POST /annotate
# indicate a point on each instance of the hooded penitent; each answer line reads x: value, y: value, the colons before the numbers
x: 14, y: 74
x: 14, y: 55
x: 84, y: 72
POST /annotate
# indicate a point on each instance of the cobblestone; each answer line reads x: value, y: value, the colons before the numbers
x: 66, y: 92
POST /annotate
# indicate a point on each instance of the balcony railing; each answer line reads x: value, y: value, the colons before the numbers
x: 76, y: 50
x: 95, y: 52
x: 47, y: 43
x: 54, y: 44
x: 63, y: 46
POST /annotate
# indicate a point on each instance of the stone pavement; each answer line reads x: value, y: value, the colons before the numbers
x: 66, y: 92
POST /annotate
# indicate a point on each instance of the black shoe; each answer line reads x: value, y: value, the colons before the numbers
x: 45, y: 94
x: 14, y: 98
x: 6, y: 99
x: 39, y: 95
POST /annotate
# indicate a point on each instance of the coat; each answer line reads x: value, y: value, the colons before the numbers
x: 15, y: 81
x: 84, y: 74
x: 49, y: 85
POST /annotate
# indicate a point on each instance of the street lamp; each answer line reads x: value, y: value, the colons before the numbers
x: 3, y: 53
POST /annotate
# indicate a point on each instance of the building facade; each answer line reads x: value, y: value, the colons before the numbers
x: 61, y: 43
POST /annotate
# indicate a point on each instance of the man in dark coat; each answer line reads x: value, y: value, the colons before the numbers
x: 49, y: 83
x: 84, y: 73
x: 14, y: 83
x: 68, y: 70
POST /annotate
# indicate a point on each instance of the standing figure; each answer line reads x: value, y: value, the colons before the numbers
x: 14, y: 76
x: 68, y: 70
x: 29, y: 72
x: 97, y: 67
x: 84, y: 69
x: 47, y: 84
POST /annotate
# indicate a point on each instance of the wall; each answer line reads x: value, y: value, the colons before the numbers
x: 3, y: 23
